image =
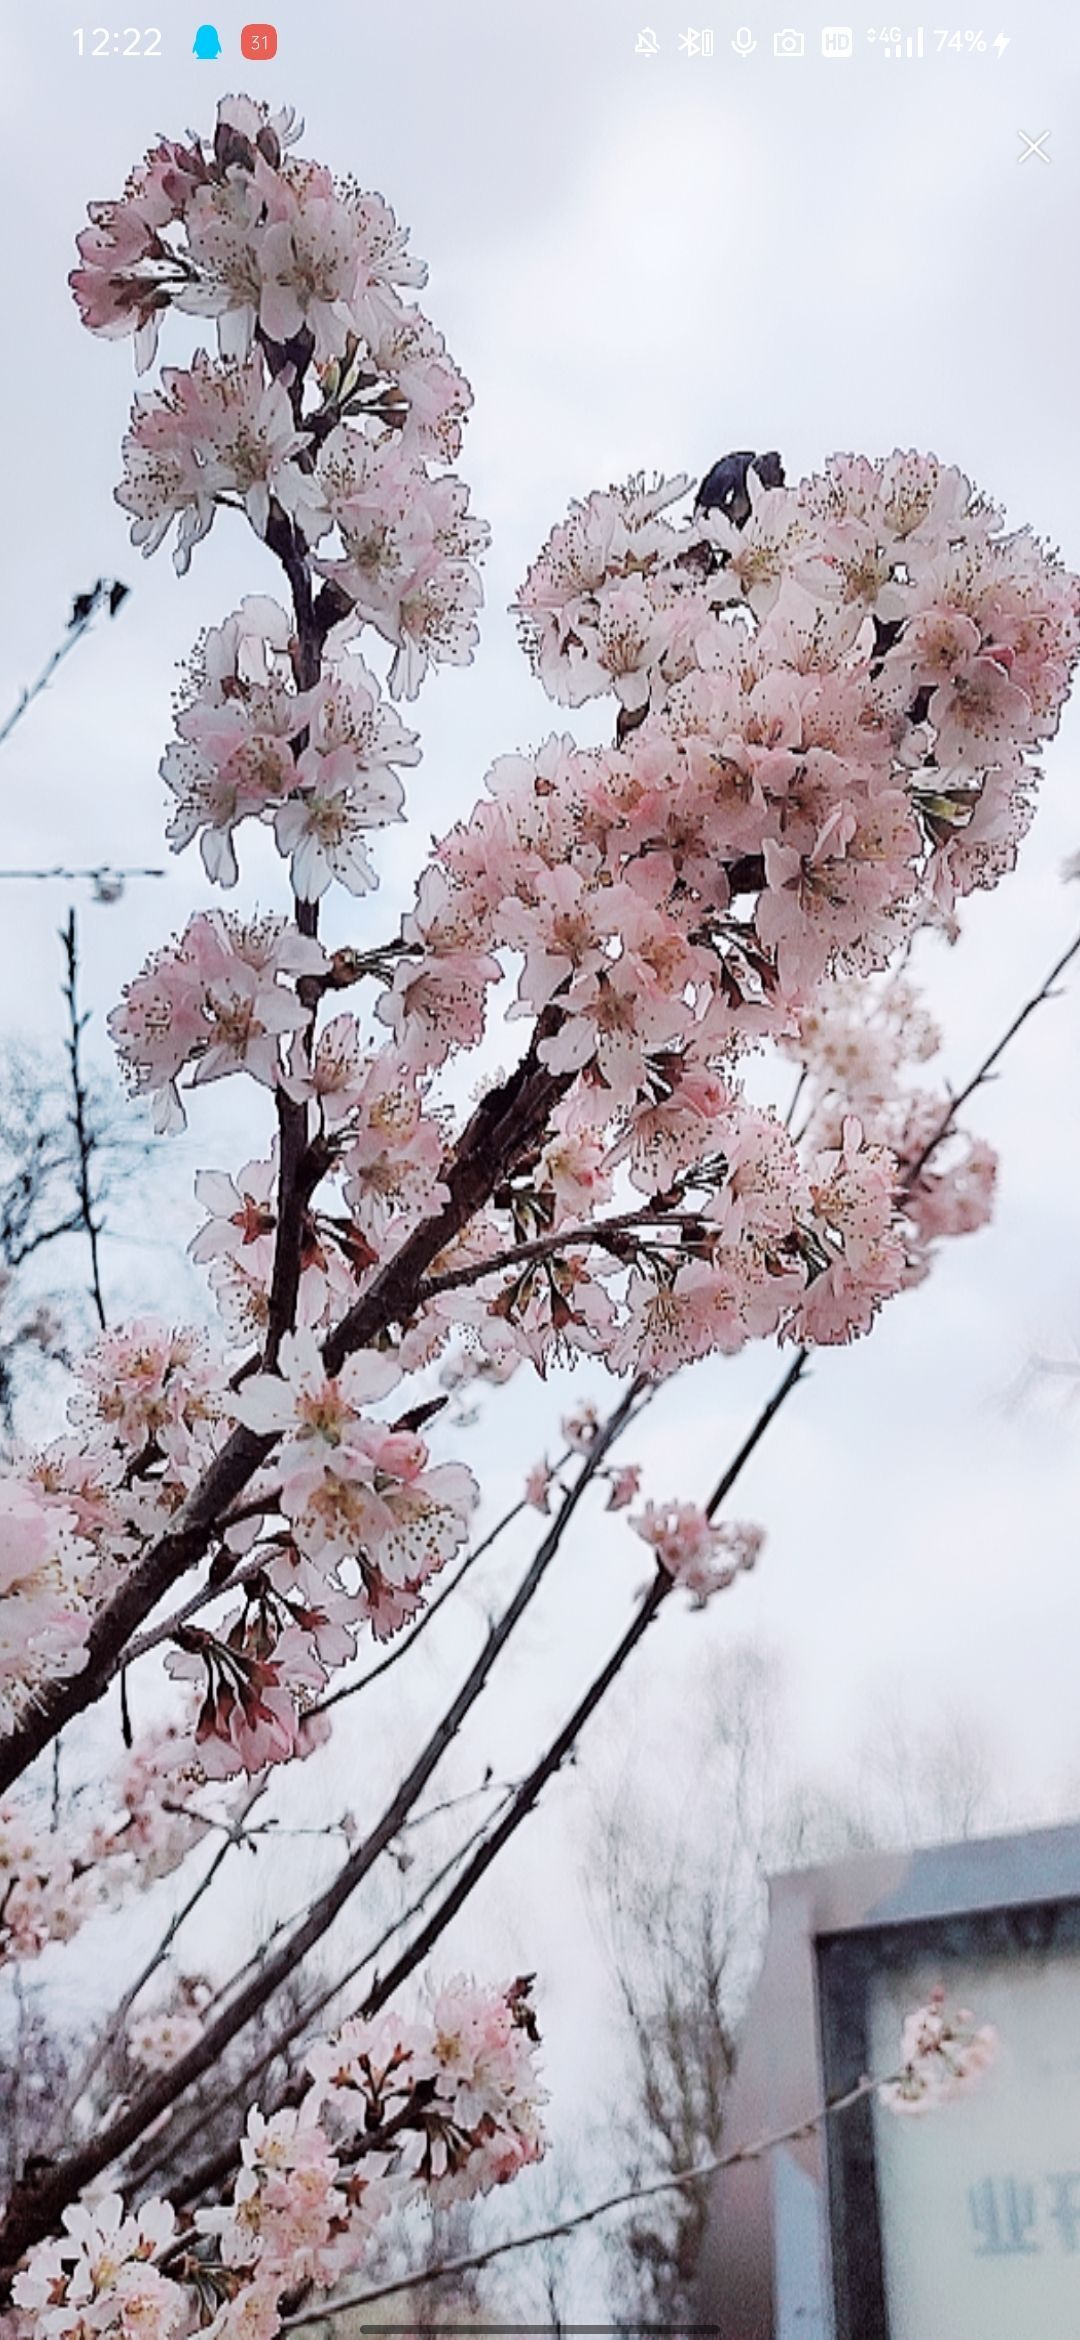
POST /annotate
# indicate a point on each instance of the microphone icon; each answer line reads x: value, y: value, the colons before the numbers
x: 744, y: 41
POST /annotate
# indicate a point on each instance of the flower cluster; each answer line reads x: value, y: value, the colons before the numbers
x: 45, y: 1610
x: 101, y: 2277
x: 857, y: 1044
x: 333, y: 406
x: 447, y: 2105
x: 157, y: 2039
x: 868, y: 637
x: 945, y: 2055
x: 44, y: 1897
x: 702, y: 1555
x: 369, y: 1519
x: 213, y: 999
x: 459, y: 2084
x: 835, y: 711
x: 237, y: 754
x: 149, y: 1817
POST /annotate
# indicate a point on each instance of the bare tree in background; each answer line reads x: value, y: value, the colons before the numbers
x: 62, y: 1150
x: 67, y: 1147
x: 679, y: 1892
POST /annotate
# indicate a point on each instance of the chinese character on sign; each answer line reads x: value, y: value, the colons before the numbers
x: 1064, y: 2189
x: 1002, y: 2214
x: 696, y: 44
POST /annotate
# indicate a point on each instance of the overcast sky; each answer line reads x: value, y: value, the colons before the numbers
x: 639, y: 264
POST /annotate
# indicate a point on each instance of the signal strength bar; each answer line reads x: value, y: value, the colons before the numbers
x: 912, y: 46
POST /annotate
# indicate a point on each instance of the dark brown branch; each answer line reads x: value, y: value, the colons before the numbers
x: 524, y: 1799
x: 508, y: 1122
x: 768, y: 1414
x: 606, y: 1234
x: 145, y: 1584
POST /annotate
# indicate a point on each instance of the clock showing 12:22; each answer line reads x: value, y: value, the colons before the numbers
x: 99, y: 41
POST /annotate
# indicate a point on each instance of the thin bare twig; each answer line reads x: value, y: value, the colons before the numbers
x: 79, y: 1117
x: 107, y: 593
x: 234, y: 1836
x: 983, y: 1071
x: 108, y: 881
x: 601, y: 1232
x: 469, y: 2260
x: 753, y: 1439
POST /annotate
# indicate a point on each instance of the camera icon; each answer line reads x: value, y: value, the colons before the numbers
x: 789, y: 43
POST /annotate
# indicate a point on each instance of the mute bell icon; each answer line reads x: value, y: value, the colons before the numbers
x: 744, y: 42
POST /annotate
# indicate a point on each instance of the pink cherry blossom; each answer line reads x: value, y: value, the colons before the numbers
x: 538, y: 1485
x: 218, y: 430
x: 945, y: 2055
x: 703, y: 1555
x: 212, y: 1000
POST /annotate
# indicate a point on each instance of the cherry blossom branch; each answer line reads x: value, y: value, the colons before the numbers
x: 468, y: 2261
x: 202, y: 1599
x: 530, y: 1790
x: 913, y: 1172
x: 144, y: 1585
x: 108, y: 593
x: 211, y: 2172
x: 605, y: 1233
x: 527, y: 1795
x: 507, y: 1122
x: 208, y: 1593
x: 79, y: 1115
x: 301, y: 1163
x: 36, y: 2204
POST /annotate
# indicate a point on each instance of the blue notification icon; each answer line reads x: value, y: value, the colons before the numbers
x: 207, y: 43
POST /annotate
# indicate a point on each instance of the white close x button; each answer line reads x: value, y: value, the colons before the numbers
x: 1033, y: 146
